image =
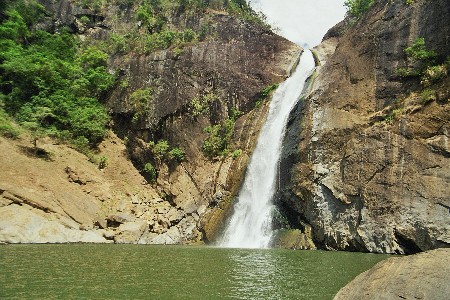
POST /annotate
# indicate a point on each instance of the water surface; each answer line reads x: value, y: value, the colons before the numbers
x: 81, y: 271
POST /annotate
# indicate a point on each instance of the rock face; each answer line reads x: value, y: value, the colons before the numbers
x: 189, y: 199
x: 420, y: 276
x: 366, y: 160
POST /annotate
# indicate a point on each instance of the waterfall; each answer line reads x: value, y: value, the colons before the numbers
x: 251, y: 223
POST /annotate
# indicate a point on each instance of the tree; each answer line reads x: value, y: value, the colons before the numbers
x: 357, y: 8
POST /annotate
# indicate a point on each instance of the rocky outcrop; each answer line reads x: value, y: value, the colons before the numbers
x: 189, y: 199
x: 420, y: 276
x: 365, y: 159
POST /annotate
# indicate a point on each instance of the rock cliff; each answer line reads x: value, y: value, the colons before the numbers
x: 184, y: 74
x: 366, y: 156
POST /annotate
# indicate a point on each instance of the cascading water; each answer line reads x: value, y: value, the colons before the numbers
x: 250, y: 225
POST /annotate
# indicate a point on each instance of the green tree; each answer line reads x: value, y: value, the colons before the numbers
x: 357, y: 8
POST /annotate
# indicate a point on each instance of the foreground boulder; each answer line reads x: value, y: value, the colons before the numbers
x: 420, y: 276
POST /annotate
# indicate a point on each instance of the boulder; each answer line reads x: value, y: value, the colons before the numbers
x: 130, y: 232
x: 420, y: 276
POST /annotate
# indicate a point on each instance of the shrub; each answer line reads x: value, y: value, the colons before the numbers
x: 419, y: 52
x: 85, y: 20
x: 267, y: 90
x: 178, y: 154
x: 428, y: 95
x: 47, y: 82
x: 160, y: 149
x: 433, y: 74
x: 357, y: 8
x: 7, y: 128
x: 102, y: 162
x: 236, y: 153
x: 150, y: 173
x: 201, y: 105
x: 218, y: 138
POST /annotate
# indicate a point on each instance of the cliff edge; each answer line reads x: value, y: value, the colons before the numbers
x: 366, y: 156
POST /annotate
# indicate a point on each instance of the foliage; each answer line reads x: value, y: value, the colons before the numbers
x: 264, y: 94
x: 102, y: 162
x: 235, y: 114
x: 218, y: 138
x: 201, y: 105
x: 236, y: 153
x: 433, y: 74
x: 242, y: 9
x: 424, y: 64
x: 356, y: 8
x: 428, y: 95
x: 267, y: 90
x: 47, y: 83
x: 140, y: 100
x: 419, y: 52
x: 150, y: 172
x: 178, y: 154
x: 7, y: 126
x: 160, y: 149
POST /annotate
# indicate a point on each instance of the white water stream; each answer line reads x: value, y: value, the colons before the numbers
x: 250, y: 225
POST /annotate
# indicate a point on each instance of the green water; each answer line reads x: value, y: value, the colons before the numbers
x: 81, y: 271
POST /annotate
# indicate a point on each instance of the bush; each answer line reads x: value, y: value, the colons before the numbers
x: 236, y: 153
x: 428, y: 95
x: 7, y: 128
x: 433, y: 74
x: 150, y: 173
x: 160, y: 149
x: 102, y: 162
x: 419, y: 52
x: 178, y: 154
x: 357, y: 8
x: 218, y: 138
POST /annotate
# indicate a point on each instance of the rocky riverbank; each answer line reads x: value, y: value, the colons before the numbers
x: 420, y: 276
x: 206, y: 80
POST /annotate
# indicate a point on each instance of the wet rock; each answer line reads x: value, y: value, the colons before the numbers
x: 293, y: 239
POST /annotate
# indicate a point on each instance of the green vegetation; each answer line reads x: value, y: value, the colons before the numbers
x: 236, y: 153
x: 264, y: 93
x: 216, y: 144
x: 47, y: 85
x: 178, y: 154
x: 7, y: 127
x: 150, y: 173
x: 160, y: 149
x: 201, y: 105
x: 356, y: 8
x: 102, y: 162
x: 140, y: 100
x: 419, y: 52
x: 428, y: 95
x: 424, y: 64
